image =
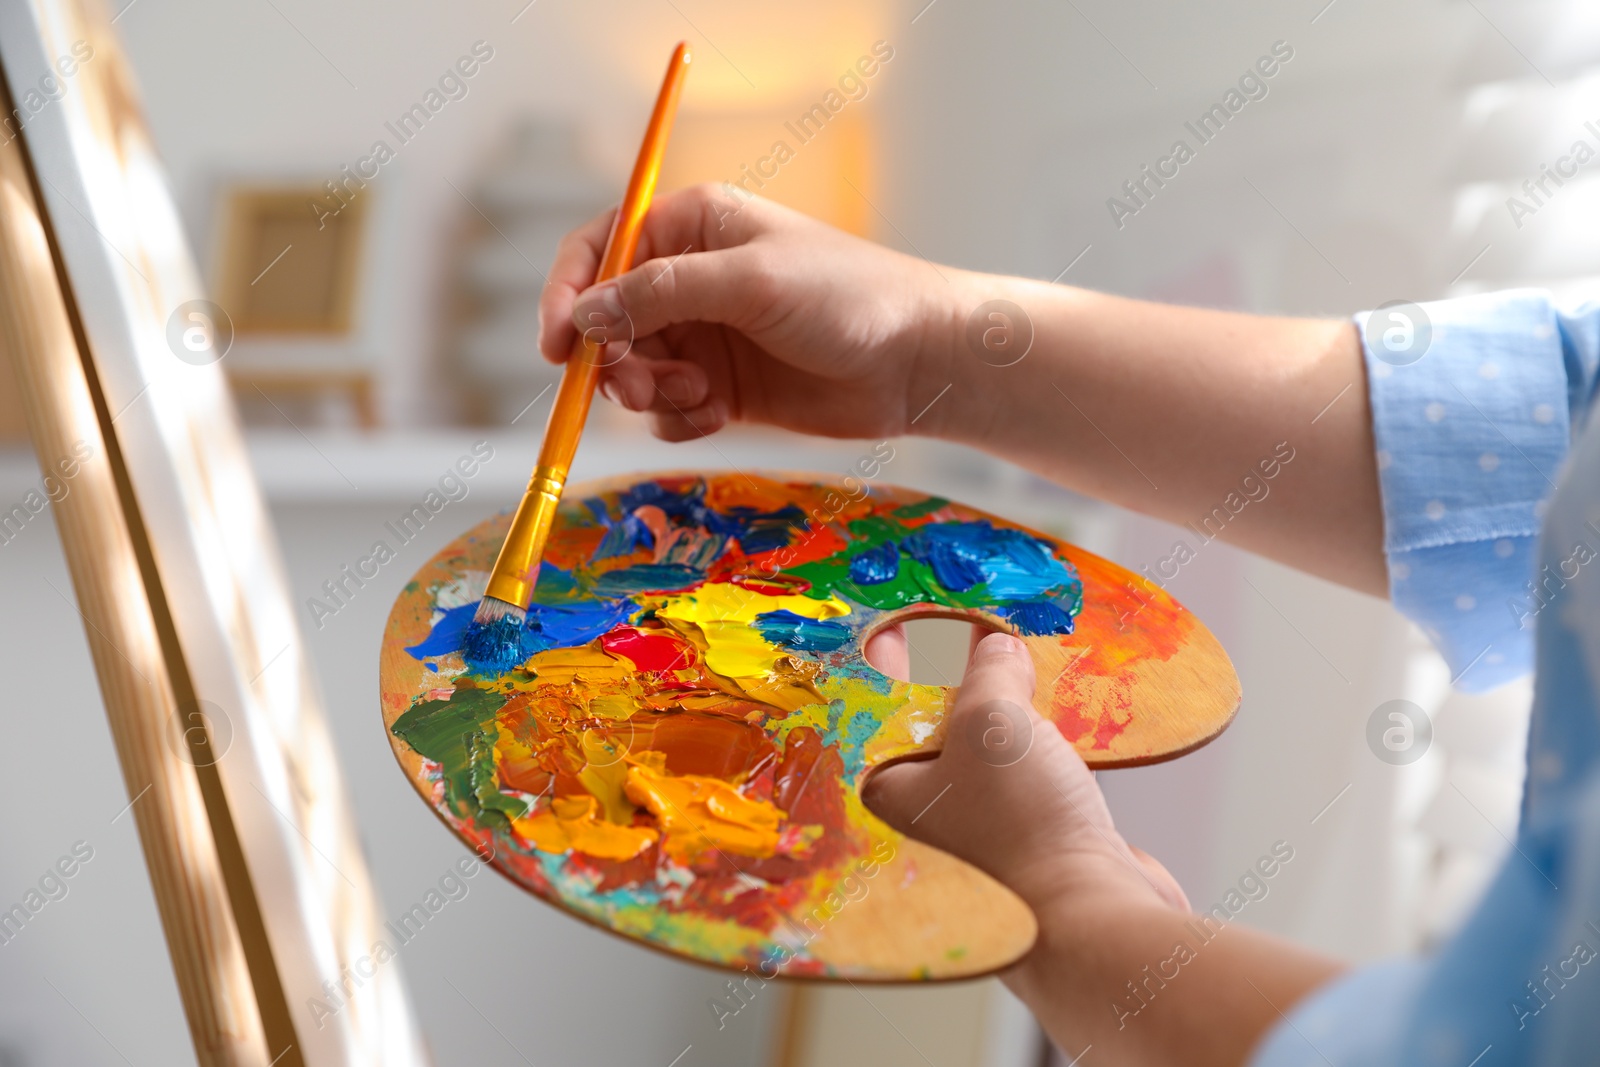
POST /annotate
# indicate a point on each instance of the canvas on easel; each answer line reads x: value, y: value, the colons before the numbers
x: 262, y: 887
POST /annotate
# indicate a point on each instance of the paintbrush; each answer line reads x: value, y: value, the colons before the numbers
x: 493, y: 640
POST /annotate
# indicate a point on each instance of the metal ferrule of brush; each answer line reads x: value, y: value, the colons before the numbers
x: 518, y: 569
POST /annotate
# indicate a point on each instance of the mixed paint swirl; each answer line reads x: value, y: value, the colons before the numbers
x: 678, y: 751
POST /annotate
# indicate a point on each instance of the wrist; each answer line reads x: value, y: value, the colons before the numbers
x: 977, y: 330
x: 1103, y: 921
x: 1074, y: 882
x: 938, y: 402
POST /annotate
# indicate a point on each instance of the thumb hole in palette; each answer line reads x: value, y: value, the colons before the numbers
x: 935, y: 645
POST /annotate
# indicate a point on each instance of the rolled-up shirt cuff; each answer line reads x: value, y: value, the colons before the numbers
x: 1471, y: 424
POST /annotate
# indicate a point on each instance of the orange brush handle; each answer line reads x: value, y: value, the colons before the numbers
x: 561, y: 433
x: 517, y: 566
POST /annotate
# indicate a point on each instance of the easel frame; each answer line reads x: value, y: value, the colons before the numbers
x: 263, y: 891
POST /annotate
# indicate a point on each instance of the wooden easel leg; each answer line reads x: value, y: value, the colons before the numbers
x: 37, y: 335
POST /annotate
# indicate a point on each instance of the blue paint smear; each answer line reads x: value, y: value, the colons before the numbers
x: 647, y: 578
x: 951, y: 552
x: 1039, y: 617
x: 556, y: 586
x: 849, y: 731
x: 764, y: 531
x: 876, y: 566
x: 446, y: 635
x: 853, y: 752
x: 492, y: 647
x: 1016, y: 565
x: 785, y: 628
x: 567, y: 626
x: 756, y: 531
x: 622, y: 537
x: 547, y: 626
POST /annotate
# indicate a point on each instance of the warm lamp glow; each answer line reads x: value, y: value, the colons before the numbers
x: 764, y: 154
x: 780, y: 103
x: 747, y: 57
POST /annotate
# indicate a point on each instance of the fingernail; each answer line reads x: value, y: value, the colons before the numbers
x: 600, y: 308
x: 676, y: 388
x: 997, y: 646
x: 609, y: 390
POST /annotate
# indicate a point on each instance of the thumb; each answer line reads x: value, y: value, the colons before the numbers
x: 992, y: 725
x: 719, y: 286
x: 1009, y: 794
x: 999, y: 669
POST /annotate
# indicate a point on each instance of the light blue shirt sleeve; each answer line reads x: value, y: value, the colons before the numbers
x: 1516, y: 987
x: 1472, y: 436
x: 1474, y: 404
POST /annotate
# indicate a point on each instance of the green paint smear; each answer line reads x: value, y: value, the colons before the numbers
x: 459, y: 734
x: 921, y: 508
x: 915, y: 581
x: 914, y: 584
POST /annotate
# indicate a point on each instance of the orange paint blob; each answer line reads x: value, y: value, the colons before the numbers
x: 573, y: 824
x: 699, y: 814
x: 714, y: 746
x: 1149, y: 626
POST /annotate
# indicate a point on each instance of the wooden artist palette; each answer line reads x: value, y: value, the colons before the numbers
x: 679, y: 757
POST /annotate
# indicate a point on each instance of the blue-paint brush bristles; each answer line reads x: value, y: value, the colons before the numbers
x: 493, y: 641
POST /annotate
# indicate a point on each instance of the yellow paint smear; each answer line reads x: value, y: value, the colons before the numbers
x: 790, y: 685
x: 615, y: 706
x: 606, y: 776
x: 561, y: 665
x: 724, y: 612
x: 698, y: 814
x: 508, y: 746
x: 573, y: 824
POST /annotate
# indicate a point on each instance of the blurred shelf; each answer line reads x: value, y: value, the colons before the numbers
x: 389, y: 468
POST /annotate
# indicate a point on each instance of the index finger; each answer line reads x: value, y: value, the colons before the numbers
x: 684, y: 220
x: 577, y: 259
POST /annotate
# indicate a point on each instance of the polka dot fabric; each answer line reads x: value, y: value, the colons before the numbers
x: 1470, y: 440
x: 1485, y: 559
